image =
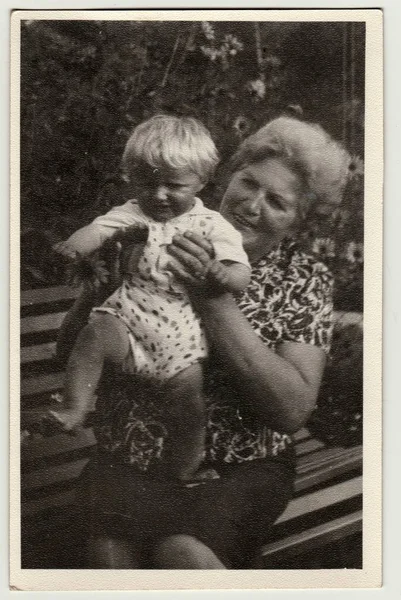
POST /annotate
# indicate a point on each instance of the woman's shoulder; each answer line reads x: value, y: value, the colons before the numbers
x: 288, y: 264
x: 303, y: 263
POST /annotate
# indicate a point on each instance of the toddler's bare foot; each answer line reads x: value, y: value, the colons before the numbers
x: 67, y: 419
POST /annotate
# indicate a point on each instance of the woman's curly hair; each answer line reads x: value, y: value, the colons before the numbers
x: 323, y: 164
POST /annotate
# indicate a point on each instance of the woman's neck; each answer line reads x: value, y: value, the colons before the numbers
x: 256, y: 254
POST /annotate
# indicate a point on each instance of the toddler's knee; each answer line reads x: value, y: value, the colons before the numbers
x: 101, y: 331
x: 112, y: 335
x: 92, y: 332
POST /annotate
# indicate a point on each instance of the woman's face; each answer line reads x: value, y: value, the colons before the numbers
x: 262, y: 202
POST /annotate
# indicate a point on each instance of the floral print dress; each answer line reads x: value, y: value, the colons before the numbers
x: 289, y: 299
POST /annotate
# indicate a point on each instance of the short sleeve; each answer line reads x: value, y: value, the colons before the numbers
x: 309, y: 306
x: 119, y: 217
x: 91, y: 238
x: 227, y: 242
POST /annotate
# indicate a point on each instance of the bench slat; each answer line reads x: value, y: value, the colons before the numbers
x: 39, y: 353
x: 300, y: 435
x: 322, y: 499
x: 329, y: 472
x: 59, y: 444
x: 317, y: 536
x: 41, y: 384
x: 48, y: 322
x: 307, y: 447
x: 48, y: 295
x: 308, y: 463
x: 51, y: 475
x: 343, y: 318
x: 59, y: 500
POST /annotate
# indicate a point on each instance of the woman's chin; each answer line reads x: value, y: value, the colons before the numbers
x: 251, y: 243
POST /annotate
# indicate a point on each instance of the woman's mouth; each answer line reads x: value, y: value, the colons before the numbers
x: 243, y: 221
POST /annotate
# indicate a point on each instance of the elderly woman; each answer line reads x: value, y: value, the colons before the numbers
x: 269, y: 350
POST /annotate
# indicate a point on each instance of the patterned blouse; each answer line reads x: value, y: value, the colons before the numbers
x: 289, y: 299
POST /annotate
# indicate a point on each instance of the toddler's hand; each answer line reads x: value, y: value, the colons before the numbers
x: 134, y: 234
x: 131, y: 242
x: 65, y: 249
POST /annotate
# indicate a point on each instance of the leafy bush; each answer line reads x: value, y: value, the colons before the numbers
x: 86, y: 84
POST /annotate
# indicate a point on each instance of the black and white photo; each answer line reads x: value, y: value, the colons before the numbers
x: 192, y: 200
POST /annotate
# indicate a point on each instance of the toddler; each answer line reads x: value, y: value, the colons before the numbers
x: 148, y: 324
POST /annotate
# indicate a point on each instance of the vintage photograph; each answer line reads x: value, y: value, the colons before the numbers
x: 191, y: 229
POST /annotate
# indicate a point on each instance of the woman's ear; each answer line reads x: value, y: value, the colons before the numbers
x: 305, y: 207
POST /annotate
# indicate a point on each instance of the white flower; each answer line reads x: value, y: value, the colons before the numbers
x: 354, y: 253
x: 324, y: 247
x: 232, y: 43
x: 257, y: 88
x: 211, y: 53
x: 208, y: 30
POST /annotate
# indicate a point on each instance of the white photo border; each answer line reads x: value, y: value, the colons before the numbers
x: 370, y: 574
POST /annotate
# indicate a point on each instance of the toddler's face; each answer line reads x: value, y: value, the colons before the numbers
x: 165, y: 193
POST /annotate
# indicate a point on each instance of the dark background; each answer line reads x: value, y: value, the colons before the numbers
x: 86, y: 84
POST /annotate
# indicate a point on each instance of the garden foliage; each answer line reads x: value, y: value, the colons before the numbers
x: 86, y: 84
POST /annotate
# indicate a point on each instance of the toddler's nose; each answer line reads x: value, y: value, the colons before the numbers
x: 161, y: 192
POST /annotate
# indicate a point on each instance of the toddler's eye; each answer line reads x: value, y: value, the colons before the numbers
x: 250, y: 183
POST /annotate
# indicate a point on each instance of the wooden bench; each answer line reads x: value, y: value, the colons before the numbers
x: 327, y: 505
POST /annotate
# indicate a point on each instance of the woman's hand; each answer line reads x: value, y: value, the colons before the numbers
x: 194, y: 257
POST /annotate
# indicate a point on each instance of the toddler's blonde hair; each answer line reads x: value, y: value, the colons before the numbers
x: 174, y: 142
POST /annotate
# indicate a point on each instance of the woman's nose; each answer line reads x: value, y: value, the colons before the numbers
x: 252, y: 205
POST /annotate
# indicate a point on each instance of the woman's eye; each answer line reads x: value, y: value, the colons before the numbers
x: 276, y: 203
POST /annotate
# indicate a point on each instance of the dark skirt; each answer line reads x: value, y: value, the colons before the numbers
x: 231, y: 515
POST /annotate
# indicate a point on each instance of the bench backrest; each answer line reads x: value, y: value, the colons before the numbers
x: 328, y: 480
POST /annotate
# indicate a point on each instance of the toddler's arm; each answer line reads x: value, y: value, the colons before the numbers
x: 231, y: 276
x: 84, y: 241
x: 90, y: 238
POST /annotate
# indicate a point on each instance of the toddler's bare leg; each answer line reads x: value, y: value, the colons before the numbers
x: 185, y: 420
x: 105, y: 338
x: 75, y: 319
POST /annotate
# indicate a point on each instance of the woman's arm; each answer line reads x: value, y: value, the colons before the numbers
x: 229, y: 276
x: 281, y: 385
